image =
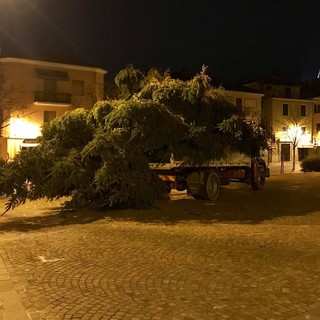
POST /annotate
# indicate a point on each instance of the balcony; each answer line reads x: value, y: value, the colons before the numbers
x: 52, y: 97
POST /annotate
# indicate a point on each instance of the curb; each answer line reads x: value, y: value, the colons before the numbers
x: 275, y: 169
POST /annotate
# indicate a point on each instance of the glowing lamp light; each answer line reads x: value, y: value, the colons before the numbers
x: 295, y: 131
x: 21, y: 128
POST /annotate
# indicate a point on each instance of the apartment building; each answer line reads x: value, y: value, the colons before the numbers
x: 247, y: 99
x: 47, y: 90
x: 311, y: 90
x: 289, y: 117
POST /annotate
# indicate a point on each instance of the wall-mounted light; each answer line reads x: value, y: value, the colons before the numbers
x: 21, y: 128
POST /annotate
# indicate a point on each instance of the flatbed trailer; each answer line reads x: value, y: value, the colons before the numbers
x: 204, y: 181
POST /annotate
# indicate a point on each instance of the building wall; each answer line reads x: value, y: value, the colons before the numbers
x: 281, y: 91
x: 291, y: 126
x: 276, y: 90
x: 276, y: 94
x: 249, y: 102
x: 23, y: 75
x: 267, y: 113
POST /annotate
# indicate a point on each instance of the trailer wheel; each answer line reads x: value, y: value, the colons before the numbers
x: 211, y: 185
x: 259, y: 181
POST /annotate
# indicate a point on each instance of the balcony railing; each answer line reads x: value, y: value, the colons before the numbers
x: 52, y: 97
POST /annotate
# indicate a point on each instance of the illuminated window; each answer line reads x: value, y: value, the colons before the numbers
x: 49, y: 116
x: 77, y: 87
x: 285, y: 109
x: 303, y: 110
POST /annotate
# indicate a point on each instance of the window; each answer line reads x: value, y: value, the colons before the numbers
x: 303, y: 130
x: 239, y: 102
x: 77, y: 87
x: 303, y: 110
x: 285, y: 109
x: 317, y: 108
x: 49, y: 116
x: 318, y: 127
x: 284, y: 129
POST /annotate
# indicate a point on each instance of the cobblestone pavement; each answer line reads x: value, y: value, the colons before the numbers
x: 250, y: 255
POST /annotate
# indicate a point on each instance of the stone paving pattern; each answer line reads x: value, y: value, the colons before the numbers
x: 234, y: 259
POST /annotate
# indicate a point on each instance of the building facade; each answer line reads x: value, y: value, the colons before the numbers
x: 289, y: 118
x: 247, y: 99
x: 47, y: 90
x: 316, y: 123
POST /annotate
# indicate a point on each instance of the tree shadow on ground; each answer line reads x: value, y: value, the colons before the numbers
x: 285, y: 197
x: 288, y: 197
x: 50, y: 218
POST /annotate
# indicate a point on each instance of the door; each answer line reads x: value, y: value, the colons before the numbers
x: 285, y: 151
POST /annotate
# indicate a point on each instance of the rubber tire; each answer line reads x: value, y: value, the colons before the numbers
x: 167, y: 190
x: 261, y: 179
x: 211, y: 188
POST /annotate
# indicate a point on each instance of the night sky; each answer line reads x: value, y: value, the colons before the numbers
x: 238, y: 39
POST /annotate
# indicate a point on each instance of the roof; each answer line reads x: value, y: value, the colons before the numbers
x: 235, y: 87
x: 311, y: 89
x: 52, y: 64
x: 277, y: 80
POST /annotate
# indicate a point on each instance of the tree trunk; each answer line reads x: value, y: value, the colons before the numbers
x: 293, y: 158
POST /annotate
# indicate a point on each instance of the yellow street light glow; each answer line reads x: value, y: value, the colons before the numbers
x: 21, y: 128
x: 295, y: 130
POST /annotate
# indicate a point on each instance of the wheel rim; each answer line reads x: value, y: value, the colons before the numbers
x: 212, y: 186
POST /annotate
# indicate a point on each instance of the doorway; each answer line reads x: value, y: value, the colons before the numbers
x: 285, y: 151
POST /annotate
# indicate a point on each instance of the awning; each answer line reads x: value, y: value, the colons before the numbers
x: 52, y: 74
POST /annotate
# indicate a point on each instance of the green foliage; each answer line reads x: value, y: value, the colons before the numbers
x: 54, y: 168
x: 72, y: 130
x: 311, y: 163
x: 29, y: 165
x: 99, y: 112
x: 129, y: 80
x: 100, y: 158
x: 169, y: 92
x: 155, y: 75
x: 146, y: 125
x: 130, y: 138
x: 197, y: 87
